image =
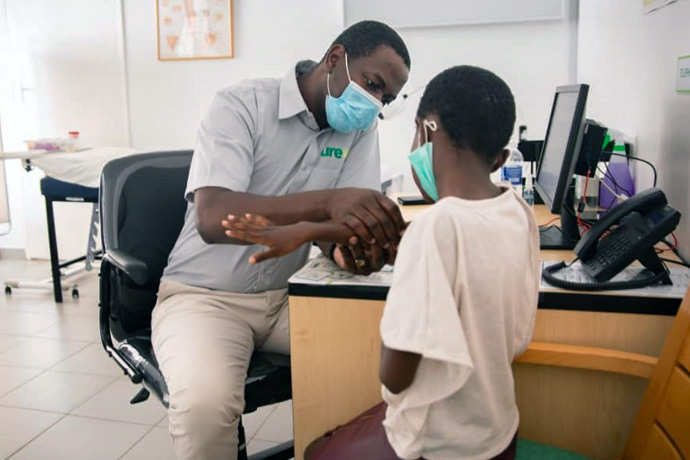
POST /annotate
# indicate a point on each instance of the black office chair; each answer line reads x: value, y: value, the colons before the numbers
x: 142, y: 210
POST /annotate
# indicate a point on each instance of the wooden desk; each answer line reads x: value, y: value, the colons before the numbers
x: 335, y: 347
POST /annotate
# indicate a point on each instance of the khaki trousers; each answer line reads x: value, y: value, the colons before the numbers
x: 203, y: 340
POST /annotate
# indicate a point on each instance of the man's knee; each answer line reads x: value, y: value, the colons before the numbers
x: 204, y: 413
x: 205, y: 400
x: 204, y: 422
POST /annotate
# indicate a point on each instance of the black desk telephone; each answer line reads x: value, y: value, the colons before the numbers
x: 625, y: 234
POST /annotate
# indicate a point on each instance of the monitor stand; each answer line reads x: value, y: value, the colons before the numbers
x: 567, y: 235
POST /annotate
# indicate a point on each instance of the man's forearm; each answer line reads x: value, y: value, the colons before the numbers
x: 213, y: 204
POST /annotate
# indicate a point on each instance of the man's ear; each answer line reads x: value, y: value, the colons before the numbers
x: 334, y: 55
x: 500, y: 160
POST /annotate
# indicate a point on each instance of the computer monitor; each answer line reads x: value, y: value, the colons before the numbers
x: 557, y: 164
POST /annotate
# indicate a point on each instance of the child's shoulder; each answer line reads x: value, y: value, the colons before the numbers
x: 450, y: 214
x: 436, y: 220
x: 440, y: 210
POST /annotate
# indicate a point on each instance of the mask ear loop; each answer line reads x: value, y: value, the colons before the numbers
x: 428, y: 124
x: 347, y: 69
x: 328, y: 76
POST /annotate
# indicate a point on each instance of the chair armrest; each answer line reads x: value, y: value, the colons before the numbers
x: 135, y: 268
x: 599, y: 359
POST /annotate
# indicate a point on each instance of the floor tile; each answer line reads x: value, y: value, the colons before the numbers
x: 57, y: 365
x: 24, y: 323
x: 26, y: 303
x: 41, y: 301
x: 278, y: 427
x: 40, y: 353
x: 78, y: 438
x: 26, y: 299
x: 12, y: 377
x: 257, y: 445
x: 252, y: 422
x: 73, y: 328
x: 55, y: 391
x: 31, y: 304
x: 163, y: 423
x: 9, y: 341
x: 156, y: 445
x: 112, y: 403
x: 91, y: 360
x: 19, y: 426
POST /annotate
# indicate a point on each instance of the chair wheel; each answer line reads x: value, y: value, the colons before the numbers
x: 8, y: 290
x: 75, y: 293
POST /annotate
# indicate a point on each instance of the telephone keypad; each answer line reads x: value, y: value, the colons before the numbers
x: 617, y: 245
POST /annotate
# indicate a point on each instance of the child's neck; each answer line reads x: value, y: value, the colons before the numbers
x: 464, y: 174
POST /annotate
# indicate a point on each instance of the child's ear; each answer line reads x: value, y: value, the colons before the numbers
x: 500, y: 160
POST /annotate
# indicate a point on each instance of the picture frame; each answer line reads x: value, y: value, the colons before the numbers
x: 194, y: 29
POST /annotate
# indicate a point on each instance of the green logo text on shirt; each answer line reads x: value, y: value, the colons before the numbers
x: 335, y: 152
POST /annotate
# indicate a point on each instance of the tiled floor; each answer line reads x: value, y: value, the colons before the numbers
x: 61, y: 397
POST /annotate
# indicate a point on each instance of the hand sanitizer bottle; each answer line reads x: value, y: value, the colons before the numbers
x: 512, y: 170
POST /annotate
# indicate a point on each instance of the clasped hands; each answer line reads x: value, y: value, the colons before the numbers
x: 365, y: 225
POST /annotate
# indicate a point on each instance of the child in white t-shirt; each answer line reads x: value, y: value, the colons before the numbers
x: 464, y: 295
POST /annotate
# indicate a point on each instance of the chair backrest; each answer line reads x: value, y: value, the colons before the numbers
x: 662, y: 427
x: 142, y: 210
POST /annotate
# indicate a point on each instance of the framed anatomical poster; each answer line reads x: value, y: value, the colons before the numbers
x: 194, y: 29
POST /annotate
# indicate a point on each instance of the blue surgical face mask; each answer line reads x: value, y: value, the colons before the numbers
x: 422, y: 161
x: 354, y: 109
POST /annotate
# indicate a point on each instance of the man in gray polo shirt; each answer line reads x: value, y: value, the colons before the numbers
x: 304, y: 147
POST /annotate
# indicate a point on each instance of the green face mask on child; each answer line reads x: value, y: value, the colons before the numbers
x: 422, y: 161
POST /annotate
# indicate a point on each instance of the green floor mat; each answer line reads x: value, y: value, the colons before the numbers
x: 529, y: 450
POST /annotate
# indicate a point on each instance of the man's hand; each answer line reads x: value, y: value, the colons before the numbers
x: 354, y: 259
x: 373, y: 217
x: 359, y: 261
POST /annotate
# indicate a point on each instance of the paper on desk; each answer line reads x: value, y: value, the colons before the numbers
x: 679, y: 276
x: 323, y: 272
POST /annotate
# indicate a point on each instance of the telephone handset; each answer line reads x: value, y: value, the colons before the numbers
x: 627, y: 233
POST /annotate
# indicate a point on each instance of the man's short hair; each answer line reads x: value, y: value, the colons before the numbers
x: 364, y: 37
x: 475, y: 107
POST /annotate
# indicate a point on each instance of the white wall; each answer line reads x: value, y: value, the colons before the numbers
x: 629, y: 59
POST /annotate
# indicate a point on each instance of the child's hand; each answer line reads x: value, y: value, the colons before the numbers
x: 392, y: 252
x: 280, y: 239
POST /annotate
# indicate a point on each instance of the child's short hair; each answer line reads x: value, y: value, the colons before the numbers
x: 475, y: 107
